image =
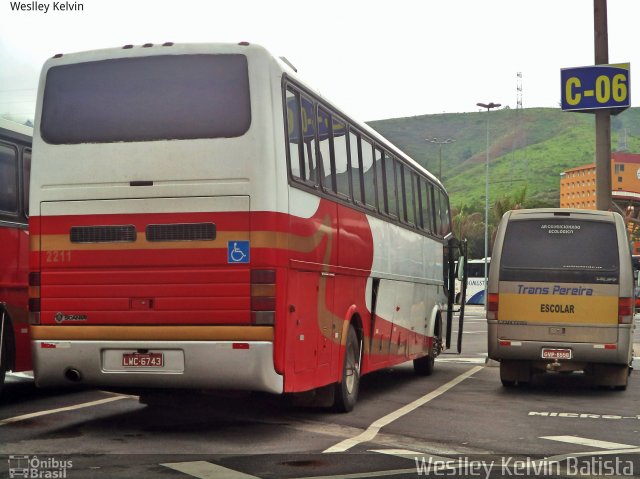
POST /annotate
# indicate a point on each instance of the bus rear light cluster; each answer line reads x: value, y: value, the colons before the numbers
x: 34, y: 297
x: 492, y: 306
x: 625, y: 310
x: 263, y: 296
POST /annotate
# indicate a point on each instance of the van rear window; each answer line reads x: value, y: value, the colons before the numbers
x: 560, y: 250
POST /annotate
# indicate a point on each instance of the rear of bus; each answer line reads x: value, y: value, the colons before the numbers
x: 155, y: 201
x: 561, y: 295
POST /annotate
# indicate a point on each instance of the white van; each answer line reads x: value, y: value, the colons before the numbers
x: 561, y: 296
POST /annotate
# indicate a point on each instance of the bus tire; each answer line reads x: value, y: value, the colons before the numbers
x: 346, y: 391
x: 424, y: 366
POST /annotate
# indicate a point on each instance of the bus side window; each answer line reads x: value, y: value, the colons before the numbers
x: 26, y: 174
x: 368, y: 172
x: 380, y: 181
x: 325, y: 154
x: 437, y: 225
x: 425, y: 206
x: 296, y: 152
x: 8, y: 180
x: 408, y: 196
x: 445, y: 218
x: 356, y: 166
x: 415, y: 182
x: 309, y: 138
x: 442, y: 213
x: 339, y: 131
x: 392, y: 174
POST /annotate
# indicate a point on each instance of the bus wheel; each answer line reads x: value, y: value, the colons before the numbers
x: 424, y: 366
x: 346, y: 391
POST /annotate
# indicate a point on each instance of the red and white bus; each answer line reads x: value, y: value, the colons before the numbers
x: 201, y: 218
x: 15, y: 161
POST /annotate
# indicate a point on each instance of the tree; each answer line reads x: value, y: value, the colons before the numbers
x: 470, y: 226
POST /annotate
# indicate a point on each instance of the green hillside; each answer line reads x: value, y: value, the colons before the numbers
x: 528, y: 148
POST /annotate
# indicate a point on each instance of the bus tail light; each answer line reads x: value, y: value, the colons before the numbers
x: 263, y: 296
x: 34, y: 297
x: 625, y: 310
x: 492, y: 306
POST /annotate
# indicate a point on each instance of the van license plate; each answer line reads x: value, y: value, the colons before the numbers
x: 143, y: 360
x: 556, y: 353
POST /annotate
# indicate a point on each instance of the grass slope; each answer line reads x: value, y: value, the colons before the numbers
x: 528, y: 147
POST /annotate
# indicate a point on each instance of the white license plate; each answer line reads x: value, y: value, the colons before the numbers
x: 548, y: 353
x: 142, y: 360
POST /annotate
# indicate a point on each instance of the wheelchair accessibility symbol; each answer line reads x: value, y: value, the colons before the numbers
x: 237, y: 252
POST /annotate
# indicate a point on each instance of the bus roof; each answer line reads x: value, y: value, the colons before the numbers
x: 284, y: 65
x: 16, y: 127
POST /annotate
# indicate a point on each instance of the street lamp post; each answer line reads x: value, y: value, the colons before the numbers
x: 440, y: 143
x: 488, y: 106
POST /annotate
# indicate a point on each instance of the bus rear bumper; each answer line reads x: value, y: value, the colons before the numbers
x: 224, y: 365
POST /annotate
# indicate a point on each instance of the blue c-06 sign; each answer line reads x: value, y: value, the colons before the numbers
x: 596, y: 87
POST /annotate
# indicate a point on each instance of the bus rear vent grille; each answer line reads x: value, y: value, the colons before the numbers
x: 182, y: 232
x: 103, y: 234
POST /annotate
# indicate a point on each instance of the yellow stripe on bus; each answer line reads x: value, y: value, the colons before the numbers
x: 152, y: 333
x: 259, y: 239
x: 544, y: 308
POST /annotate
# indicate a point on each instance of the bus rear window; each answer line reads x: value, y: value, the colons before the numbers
x: 560, y: 250
x: 147, y: 98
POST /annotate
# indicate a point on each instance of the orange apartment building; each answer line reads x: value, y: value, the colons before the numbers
x: 578, y: 185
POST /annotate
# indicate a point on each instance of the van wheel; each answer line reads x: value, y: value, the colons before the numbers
x: 346, y: 391
x: 611, y: 376
x: 514, y: 372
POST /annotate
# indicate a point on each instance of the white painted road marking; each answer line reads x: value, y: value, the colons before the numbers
x: 472, y: 360
x: 24, y: 417
x: 207, y: 470
x: 582, y: 441
x: 375, y: 427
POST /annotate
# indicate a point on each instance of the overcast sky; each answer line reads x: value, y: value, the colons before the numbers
x: 375, y: 59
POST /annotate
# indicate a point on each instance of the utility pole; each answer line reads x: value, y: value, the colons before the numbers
x: 603, y: 117
x: 488, y: 106
x: 440, y: 143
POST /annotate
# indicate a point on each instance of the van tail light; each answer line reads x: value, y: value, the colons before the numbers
x: 625, y: 310
x: 34, y: 297
x: 263, y: 296
x: 492, y: 306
